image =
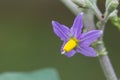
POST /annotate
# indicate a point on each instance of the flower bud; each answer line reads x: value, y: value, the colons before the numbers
x: 111, y: 6
x: 113, y: 14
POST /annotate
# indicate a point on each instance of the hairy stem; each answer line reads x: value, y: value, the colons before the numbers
x: 89, y: 24
x: 88, y: 20
x: 104, y: 58
x: 107, y: 68
x: 71, y: 6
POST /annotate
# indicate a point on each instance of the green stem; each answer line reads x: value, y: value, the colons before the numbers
x: 71, y: 6
x: 88, y: 20
x: 107, y: 68
x: 104, y: 58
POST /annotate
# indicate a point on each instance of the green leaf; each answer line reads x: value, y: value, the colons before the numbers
x: 116, y: 22
x: 45, y: 74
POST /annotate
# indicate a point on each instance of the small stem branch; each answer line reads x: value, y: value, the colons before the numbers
x: 89, y: 24
x: 88, y: 20
x: 71, y: 6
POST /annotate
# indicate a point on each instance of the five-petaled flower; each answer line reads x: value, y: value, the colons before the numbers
x: 74, y: 40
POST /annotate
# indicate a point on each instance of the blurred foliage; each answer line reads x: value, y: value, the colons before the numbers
x: 116, y: 22
x: 45, y: 74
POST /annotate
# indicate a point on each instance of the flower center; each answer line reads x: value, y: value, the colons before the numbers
x: 71, y: 44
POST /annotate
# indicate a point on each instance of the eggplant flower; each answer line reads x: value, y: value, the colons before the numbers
x: 74, y: 41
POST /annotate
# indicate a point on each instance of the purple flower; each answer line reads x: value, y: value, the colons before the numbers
x: 74, y: 41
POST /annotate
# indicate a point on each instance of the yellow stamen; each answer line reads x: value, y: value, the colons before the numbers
x: 71, y: 44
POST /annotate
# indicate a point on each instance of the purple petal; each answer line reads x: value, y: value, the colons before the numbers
x: 61, y: 49
x: 87, y: 51
x: 89, y: 37
x: 61, y: 31
x: 77, y: 26
x: 71, y: 53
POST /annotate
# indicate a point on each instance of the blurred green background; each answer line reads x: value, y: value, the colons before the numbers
x: 27, y: 41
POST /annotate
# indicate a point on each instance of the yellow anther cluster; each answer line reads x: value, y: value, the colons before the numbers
x: 71, y: 44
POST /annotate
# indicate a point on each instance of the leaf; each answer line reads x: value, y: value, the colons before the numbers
x: 45, y: 74
x: 116, y: 22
